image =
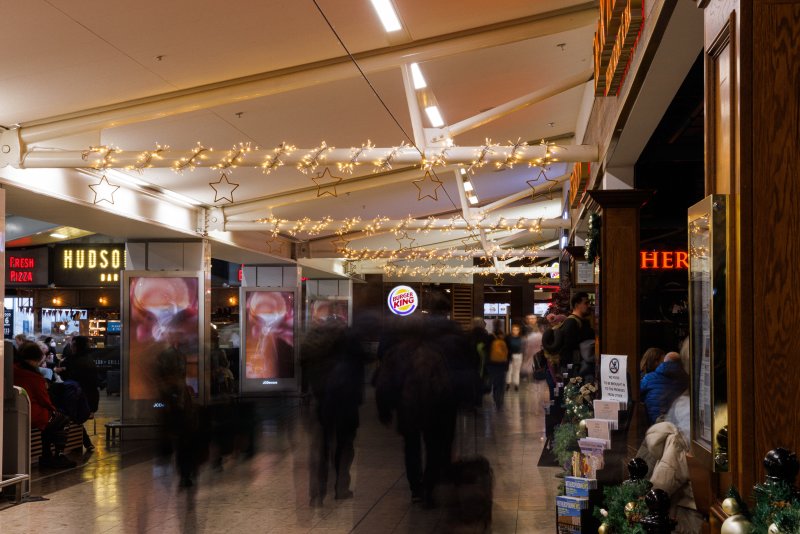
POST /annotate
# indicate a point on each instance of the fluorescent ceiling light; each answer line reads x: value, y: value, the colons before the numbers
x: 468, y: 186
x: 59, y: 236
x: 387, y: 14
x: 416, y: 75
x: 472, y: 199
x: 434, y: 116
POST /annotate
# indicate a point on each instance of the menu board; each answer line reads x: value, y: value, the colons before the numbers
x: 700, y: 282
x: 708, y: 240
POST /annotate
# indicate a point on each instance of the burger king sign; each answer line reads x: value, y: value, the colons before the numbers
x: 402, y: 300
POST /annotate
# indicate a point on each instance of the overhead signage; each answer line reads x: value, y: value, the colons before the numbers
x: 664, y: 259
x: 27, y: 267
x: 402, y: 300
x: 577, y: 183
x: 614, y: 43
x: 614, y: 377
x: 88, y: 265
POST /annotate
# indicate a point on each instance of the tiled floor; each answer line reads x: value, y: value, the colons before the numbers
x: 131, y: 491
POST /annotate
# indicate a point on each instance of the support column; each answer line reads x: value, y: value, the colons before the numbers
x: 618, y: 293
x: 752, y: 69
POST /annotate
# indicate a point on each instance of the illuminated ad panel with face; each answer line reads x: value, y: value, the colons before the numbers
x: 268, y: 343
x: 162, y: 335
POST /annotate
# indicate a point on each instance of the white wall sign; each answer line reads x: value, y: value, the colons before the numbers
x: 585, y: 272
x: 614, y: 377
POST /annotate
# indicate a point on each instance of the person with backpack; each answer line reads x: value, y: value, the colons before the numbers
x: 497, y: 366
x: 574, y: 340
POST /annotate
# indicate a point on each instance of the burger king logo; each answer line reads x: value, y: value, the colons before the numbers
x: 402, y: 300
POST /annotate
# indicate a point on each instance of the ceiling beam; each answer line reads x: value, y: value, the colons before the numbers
x: 497, y: 223
x: 519, y: 103
x: 310, y: 74
x: 256, y: 157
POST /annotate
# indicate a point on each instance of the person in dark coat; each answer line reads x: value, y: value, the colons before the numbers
x: 80, y: 367
x: 44, y: 414
x: 333, y: 360
x: 659, y: 389
x: 567, y: 342
x: 421, y: 379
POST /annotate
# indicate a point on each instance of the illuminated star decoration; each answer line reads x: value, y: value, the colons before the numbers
x: 326, y: 186
x: 404, y: 241
x: 103, y: 191
x: 534, y: 182
x: 424, y: 190
x: 275, y: 246
x: 223, y: 189
x: 498, y: 280
x: 340, y: 245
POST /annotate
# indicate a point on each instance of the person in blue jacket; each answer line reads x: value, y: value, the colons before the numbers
x: 661, y: 387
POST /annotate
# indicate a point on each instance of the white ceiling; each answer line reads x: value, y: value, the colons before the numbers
x: 74, y: 56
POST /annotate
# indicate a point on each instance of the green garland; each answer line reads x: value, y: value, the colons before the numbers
x: 592, y: 245
x: 615, y: 498
x: 577, y: 407
x: 775, y: 503
x: 565, y: 441
x: 578, y: 399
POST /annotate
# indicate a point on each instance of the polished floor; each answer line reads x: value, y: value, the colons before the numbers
x: 128, y: 489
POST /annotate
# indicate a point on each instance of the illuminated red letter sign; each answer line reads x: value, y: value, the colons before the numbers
x: 663, y: 259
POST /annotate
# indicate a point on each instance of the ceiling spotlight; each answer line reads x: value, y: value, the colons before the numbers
x: 468, y: 186
x: 387, y: 14
x: 472, y: 199
x: 59, y: 236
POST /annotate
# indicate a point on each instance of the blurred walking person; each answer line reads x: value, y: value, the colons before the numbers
x: 333, y: 362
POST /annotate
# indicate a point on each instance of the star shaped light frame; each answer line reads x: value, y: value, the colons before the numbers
x: 223, y: 188
x: 401, y: 238
x: 419, y: 184
x: 324, y: 188
x: 103, y: 191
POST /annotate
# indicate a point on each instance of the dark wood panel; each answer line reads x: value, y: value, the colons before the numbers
x: 776, y: 225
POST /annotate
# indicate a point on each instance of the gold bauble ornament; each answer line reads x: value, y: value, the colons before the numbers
x: 603, y: 529
x: 629, y: 509
x: 736, y: 524
x: 582, y: 425
x: 773, y: 529
x: 730, y: 506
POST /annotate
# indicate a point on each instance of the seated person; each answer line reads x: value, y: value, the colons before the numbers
x: 660, y: 388
x: 44, y: 415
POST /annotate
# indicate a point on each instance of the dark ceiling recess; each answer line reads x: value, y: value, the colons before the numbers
x: 672, y: 165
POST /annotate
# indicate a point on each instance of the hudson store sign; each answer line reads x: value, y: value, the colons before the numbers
x: 88, y: 265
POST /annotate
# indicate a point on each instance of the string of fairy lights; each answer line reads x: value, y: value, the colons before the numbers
x: 381, y: 160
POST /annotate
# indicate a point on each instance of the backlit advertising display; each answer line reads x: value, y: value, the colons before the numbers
x: 268, y: 324
x: 163, y: 332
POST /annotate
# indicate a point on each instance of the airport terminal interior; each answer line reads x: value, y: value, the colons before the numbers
x: 388, y: 266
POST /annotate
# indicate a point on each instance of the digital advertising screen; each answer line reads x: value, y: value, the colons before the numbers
x: 268, y: 339
x: 163, y: 332
x: 327, y: 310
